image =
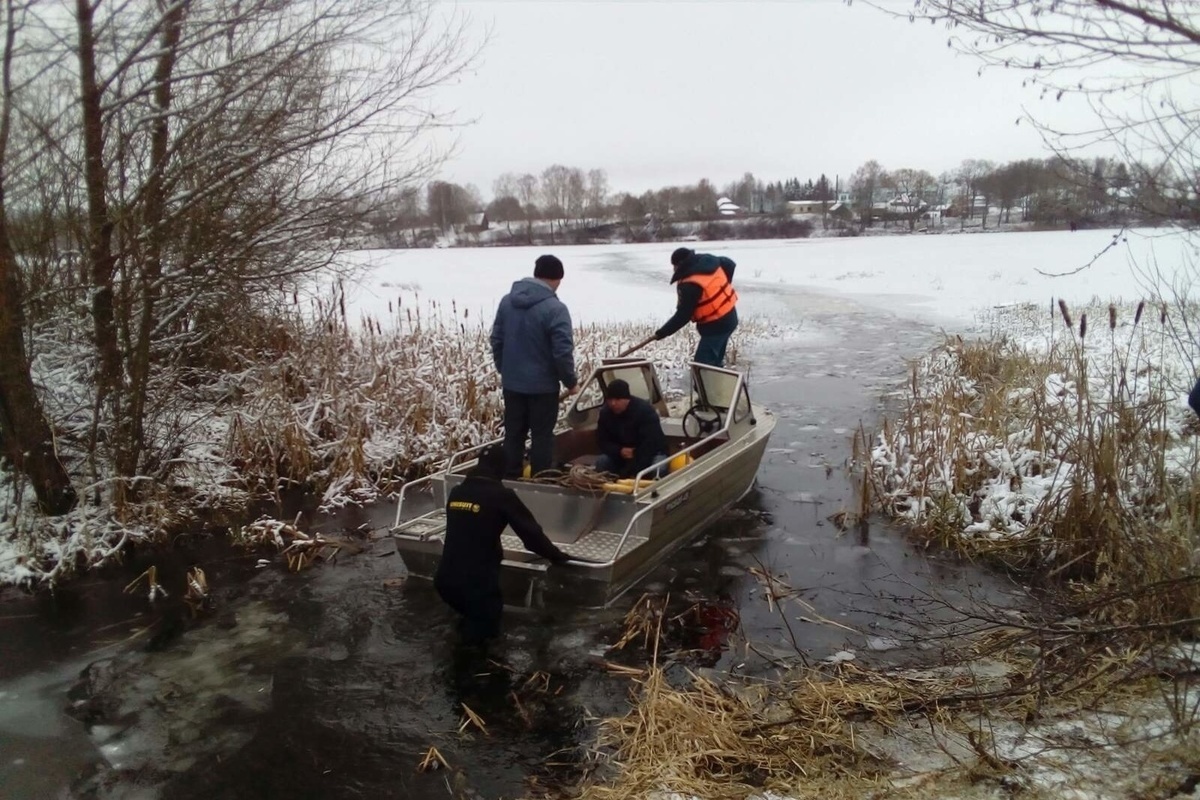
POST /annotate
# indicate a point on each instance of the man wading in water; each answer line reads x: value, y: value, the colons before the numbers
x: 468, y: 575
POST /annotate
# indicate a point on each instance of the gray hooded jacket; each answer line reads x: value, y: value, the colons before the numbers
x: 532, y: 343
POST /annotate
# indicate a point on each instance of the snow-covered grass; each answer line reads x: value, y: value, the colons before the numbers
x: 1070, y: 453
x: 979, y: 728
x: 352, y: 413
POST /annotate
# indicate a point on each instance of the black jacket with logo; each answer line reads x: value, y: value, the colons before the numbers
x: 477, y: 512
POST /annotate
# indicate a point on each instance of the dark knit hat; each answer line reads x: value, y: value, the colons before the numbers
x: 680, y: 255
x: 548, y: 268
x: 491, y: 458
x: 617, y: 390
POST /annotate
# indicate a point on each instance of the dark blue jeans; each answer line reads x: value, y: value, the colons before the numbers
x: 711, y: 349
x: 1194, y: 398
x: 535, y: 415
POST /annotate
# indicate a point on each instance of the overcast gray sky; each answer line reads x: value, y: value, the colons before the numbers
x: 661, y: 93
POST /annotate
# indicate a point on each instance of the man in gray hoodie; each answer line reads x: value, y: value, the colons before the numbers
x: 533, y: 348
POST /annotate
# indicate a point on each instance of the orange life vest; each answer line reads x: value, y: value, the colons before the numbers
x: 717, y: 296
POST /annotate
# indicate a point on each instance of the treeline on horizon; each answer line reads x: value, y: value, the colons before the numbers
x: 569, y: 204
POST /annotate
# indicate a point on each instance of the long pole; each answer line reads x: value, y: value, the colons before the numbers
x: 636, y: 347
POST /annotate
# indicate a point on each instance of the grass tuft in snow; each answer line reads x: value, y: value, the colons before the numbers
x: 1071, y: 457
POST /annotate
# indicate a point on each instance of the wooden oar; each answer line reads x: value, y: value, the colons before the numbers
x: 636, y: 347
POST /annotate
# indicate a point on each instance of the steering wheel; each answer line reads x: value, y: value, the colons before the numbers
x: 700, y: 421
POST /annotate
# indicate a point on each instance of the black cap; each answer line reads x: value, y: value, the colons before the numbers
x: 548, y: 268
x: 680, y: 255
x: 491, y: 458
x: 617, y: 390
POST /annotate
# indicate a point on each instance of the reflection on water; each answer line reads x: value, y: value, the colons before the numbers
x: 336, y: 682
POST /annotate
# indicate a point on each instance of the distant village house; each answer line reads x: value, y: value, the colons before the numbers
x: 728, y: 208
x: 476, y: 223
x: 797, y: 207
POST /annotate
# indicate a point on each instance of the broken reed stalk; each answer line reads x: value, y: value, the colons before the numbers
x: 798, y: 737
x: 803, y: 735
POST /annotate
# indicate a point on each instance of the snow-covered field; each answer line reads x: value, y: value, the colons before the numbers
x: 945, y: 279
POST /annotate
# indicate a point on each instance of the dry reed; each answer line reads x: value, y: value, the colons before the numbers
x: 1054, y: 462
x: 799, y: 737
x: 351, y: 414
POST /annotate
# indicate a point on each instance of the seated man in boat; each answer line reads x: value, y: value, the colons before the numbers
x: 477, y: 512
x: 629, y: 433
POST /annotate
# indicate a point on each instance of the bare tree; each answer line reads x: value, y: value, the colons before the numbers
x: 913, y: 186
x: 409, y: 213
x: 1005, y: 185
x: 527, y: 193
x: 863, y: 184
x: 448, y: 204
x: 667, y: 202
x: 100, y: 223
x: 1134, y: 60
x: 506, y: 209
x: 597, y: 193
x: 505, y: 186
x: 505, y: 206
x: 631, y: 209
x: 555, y: 193
x: 706, y: 199
x: 746, y: 192
x: 576, y: 194
x: 969, y: 175
x: 227, y: 151
x: 697, y: 202
x: 25, y: 434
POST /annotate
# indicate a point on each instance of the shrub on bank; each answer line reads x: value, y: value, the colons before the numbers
x: 1069, y: 458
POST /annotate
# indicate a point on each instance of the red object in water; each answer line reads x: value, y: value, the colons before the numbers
x: 716, y: 623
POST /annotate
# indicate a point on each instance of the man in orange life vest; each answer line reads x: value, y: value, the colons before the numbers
x: 706, y: 297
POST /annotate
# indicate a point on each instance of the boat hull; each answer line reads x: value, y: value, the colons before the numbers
x: 619, y: 535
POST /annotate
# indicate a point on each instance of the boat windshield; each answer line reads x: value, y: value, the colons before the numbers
x: 640, y: 376
x: 715, y: 385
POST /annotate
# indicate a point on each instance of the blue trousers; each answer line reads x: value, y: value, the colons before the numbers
x: 1194, y: 398
x: 711, y: 349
